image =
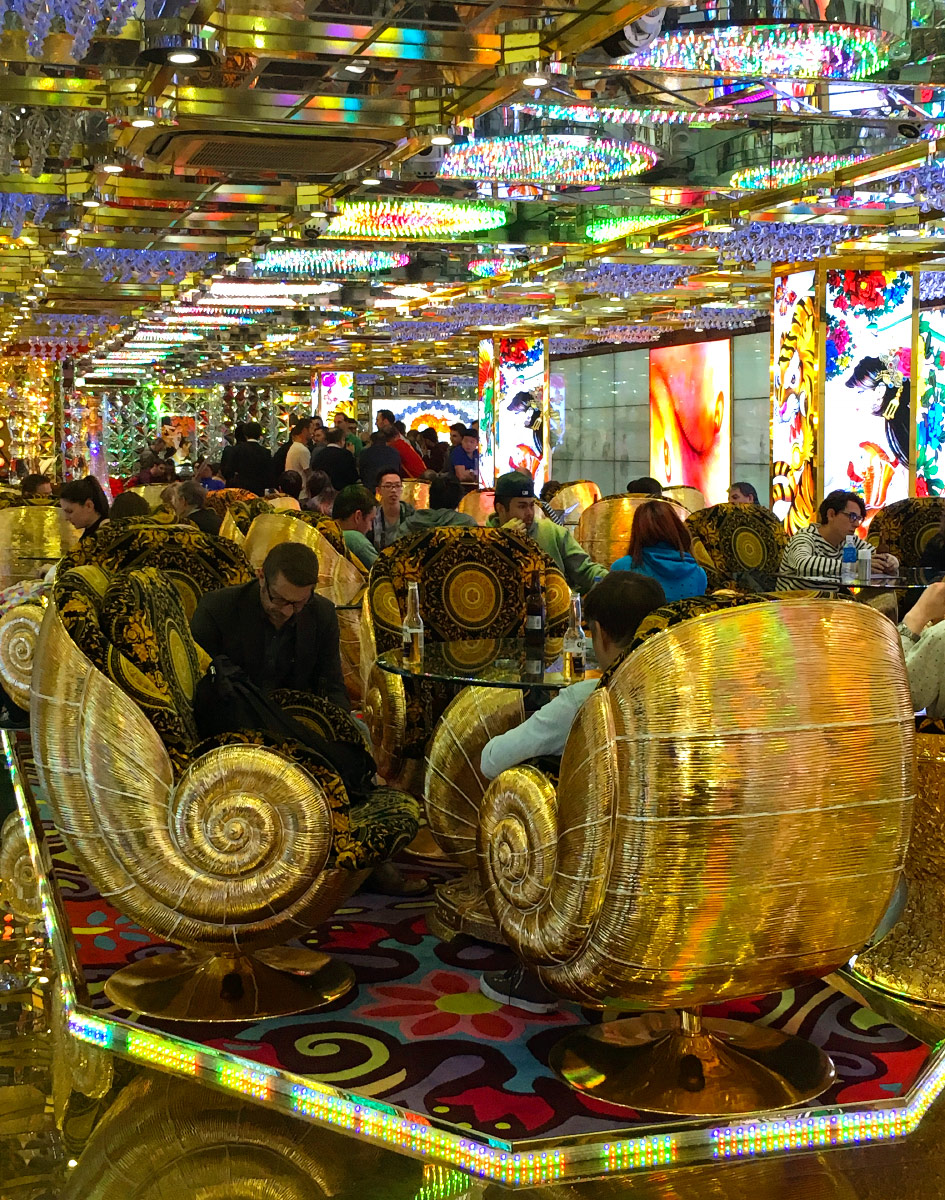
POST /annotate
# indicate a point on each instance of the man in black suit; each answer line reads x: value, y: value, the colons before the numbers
x: 336, y: 461
x: 275, y: 628
x: 251, y: 463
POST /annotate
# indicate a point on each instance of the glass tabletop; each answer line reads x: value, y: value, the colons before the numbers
x: 907, y: 577
x: 491, y: 662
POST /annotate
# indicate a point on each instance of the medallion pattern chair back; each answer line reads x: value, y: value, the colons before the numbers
x: 716, y: 833
x: 906, y: 527
x: 573, y: 498
x: 604, y: 528
x: 226, y: 846
x: 472, y: 585
x: 738, y: 545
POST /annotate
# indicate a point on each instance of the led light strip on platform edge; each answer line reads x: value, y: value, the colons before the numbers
x: 489, y: 1158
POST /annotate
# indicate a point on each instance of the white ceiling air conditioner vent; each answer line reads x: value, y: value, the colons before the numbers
x: 257, y: 154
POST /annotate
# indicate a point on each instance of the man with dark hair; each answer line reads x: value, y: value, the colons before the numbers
x: 251, y: 463
x: 354, y: 511
x: 189, y: 502
x: 456, y: 434
x: 384, y: 419
x: 392, y: 510
x: 36, y: 487
x: 817, y: 551
x: 377, y: 458
x: 298, y: 455
x: 464, y: 460
x: 445, y: 494
x: 411, y: 463
x: 276, y: 628
x: 646, y: 485
x: 613, y: 609
x: 335, y: 460
x: 437, y: 451
x: 742, y: 493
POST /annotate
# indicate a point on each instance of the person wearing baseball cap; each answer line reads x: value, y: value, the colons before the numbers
x: 515, y: 513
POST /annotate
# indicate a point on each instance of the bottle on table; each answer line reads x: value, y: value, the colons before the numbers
x: 575, y: 643
x: 534, y: 627
x: 413, y: 628
x: 848, y: 561
x: 864, y: 563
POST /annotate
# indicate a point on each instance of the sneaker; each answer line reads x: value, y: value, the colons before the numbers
x: 519, y: 988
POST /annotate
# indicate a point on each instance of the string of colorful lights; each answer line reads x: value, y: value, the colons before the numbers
x: 325, y: 261
x: 558, y: 159
x: 618, y: 115
x: 606, y: 229
x: 805, y: 51
x: 784, y: 172
x: 407, y: 219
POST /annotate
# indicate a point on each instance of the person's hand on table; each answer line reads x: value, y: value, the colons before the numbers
x: 886, y: 564
x: 516, y: 527
x: 929, y: 608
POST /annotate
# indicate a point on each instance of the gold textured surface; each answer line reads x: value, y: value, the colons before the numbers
x: 478, y: 505
x: 229, y: 529
x: 151, y: 492
x: 910, y: 960
x: 19, y: 889
x: 339, y: 579
x: 385, y: 714
x: 717, y: 832
x: 32, y: 538
x: 689, y: 497
x: 417, y: 493
x: 604, y: 528
x: 574, y: 498
x: 684, y: 1066
x: 19, y: 631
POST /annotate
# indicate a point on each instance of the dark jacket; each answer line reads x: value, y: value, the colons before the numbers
x: 435, y: 518
x: 304, y: 654
x: 374, y: 460
x: 205, y: 519
x: 338, y: 464
x: 251, y: 467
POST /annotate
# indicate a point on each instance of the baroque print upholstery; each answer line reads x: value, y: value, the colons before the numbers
x: 222, y: 498
x: 738, y: 545
x: 244, y: 512
x: 195, y: 561
x: 906, y: 527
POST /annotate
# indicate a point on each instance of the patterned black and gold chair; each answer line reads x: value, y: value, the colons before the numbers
x: 223, y: 498
x: 225, y: 847
x: 910, y: 961
x: 472, y: 586
x: 716, y: 833
x: 906, y: 527
x: 604, y: 527
x: 738, y: 545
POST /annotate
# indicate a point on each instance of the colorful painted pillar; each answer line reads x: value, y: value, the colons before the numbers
x: 843, y: 373
x: 514, y: 408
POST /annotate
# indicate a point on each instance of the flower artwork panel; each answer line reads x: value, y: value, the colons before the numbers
x: 930, y: 412
x: 795, y: 325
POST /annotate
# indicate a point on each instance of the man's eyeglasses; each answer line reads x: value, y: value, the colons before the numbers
x: 280, y: 602
x: 856, y: 517
x: 390, y: 487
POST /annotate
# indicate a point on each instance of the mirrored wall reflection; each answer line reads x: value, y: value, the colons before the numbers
x: 607, y: 432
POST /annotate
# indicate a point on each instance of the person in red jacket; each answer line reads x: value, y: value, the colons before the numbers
x: 410, y: 460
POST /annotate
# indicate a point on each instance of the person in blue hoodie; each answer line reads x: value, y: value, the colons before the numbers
x: 660, y: 547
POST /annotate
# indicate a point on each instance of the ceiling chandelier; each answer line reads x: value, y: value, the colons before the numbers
x: 329, y: 262
x: 783, y: 51
x: 488, y: 268
x: 403, y: 219
x: 608, y: 228
x: 564, y: 159
x: 592, y: 114
x: 783, y: 172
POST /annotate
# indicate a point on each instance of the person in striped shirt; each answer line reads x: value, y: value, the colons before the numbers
x: 816, y: 552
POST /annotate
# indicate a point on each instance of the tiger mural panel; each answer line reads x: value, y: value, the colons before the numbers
x: 793, y: 427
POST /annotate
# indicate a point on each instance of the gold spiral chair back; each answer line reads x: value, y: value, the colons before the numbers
x: 32, y: 538
x: 573, y: 498
x: 604, y: 528
x: 339, y: 580
x: 150, y: 491
x: 479, y: 505
x: 689, y: 497
x: 717, y: 832
x: 417, y: 493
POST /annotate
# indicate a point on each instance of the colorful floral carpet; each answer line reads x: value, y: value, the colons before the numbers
x: 417, y: 1032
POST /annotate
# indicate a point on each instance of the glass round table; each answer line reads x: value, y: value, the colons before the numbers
x: 489, y: 662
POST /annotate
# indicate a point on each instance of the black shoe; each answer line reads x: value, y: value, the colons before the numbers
x: 518, y: 988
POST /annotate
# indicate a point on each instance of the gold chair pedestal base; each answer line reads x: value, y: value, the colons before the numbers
x: 683, y: 1066
x: 461, y: 908
x: 183, y: 986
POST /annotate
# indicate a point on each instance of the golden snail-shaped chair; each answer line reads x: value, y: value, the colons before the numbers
x: 472, y: 585
x: 417, y: 493
x: 226, y: 847
x: 718, y: 831
x: 910, y: 961
x: 478, y: 505
x: 151, y: 492
x: 689, y: 497
x: 32, y: 538
x: 604, y: 527
x: 340, y: 579
x: 573, y: 498
x: 738, y: 546
x: 906, y: 527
